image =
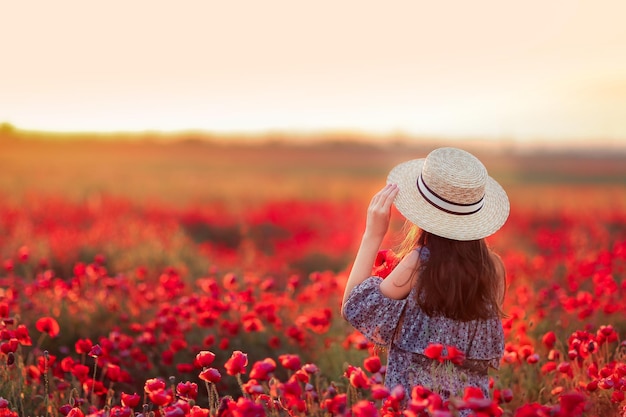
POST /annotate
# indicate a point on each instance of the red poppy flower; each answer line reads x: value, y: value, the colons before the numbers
x: 113, y: 371
x: 310, y: 368
x: 532, y: 359
x: 237, y: 363
x: 33, y: 372
x: 167, y: 357
x: 211, y: 375
x: 565, y: 368
x: 336, y: 405
x: 75, y: 412
x: 554, y: 355
x: 532, y: 410
x: 121, y: 411
x: 548, y: 367
x: 99, y: 259
x: 154, y: 384
x: 81, y: 372
x: 252, y: 387
x: 97, y: 387
x: 9, y: 346
x: 572, y: 403
x: 229, y: 281
x: 197, y: 411
x: 292, y: 388
x: 23, y: 254
x: 48, y: 325
x: 4, y: 310
x: 317, y: 321
x: 592, y: 386
x: 379, y: 392
x: 507, y: 395
x: 205, y: 358
x: 274, y: 342
x: 95, y: 351
x: 161, y: 397
x: 549, y: 339
x: 185, y: 368
x: 433, y: 351
x: 251, y: 323
x: 45, y: 361
x: 208, y: 341
x: 263, y: 370
x: 472, y: 392
x: 386, y: 260
x: 177, y: 345
x: 372, y: 364
x: 224, y: 343
x: 289, y: 361
x: 245, y: 407
x: 301, y: 376
x: 364, y: 408
x: 296, y: 334
x: 606, y: 333
x: 187, y: 390
x: 358, y: 379
x: 617, y: 397
x: 21, y: 334
x: 67, y: 364
x: 130, y: 400
x: 455, y: 355
x: 83, y: 346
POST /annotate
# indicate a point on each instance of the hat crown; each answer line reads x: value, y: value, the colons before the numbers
x: 455, y: 175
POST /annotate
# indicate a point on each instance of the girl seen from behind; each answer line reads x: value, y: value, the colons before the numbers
x: 447, y: 290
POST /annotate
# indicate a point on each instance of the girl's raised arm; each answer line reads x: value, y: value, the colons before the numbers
x: 378, y: 214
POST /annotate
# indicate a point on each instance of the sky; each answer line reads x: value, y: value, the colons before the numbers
x: 521, y: 71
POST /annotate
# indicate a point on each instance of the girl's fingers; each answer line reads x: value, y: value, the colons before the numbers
x: 392, y: 193
x: 384, y: 198
x: 379, y: 195
x: 385, y: 191
x: 379, y: 210
x: 388, y: 193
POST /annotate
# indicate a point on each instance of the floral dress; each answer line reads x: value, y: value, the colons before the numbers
x: 406, y: 331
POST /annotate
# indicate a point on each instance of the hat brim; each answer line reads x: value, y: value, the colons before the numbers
x: 416, y: 209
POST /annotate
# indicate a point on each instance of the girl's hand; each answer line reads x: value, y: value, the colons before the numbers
x: 379, y: 212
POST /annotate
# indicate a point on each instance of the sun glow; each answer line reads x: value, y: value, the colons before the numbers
x: 532, y: 71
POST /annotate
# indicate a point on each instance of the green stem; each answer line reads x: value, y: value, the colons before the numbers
x: 93, y: 380
x: 45, y: 378
x: 213, y: 403
x: 240, y: 382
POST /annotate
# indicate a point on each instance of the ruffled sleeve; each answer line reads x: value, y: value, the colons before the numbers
x: 371, y: 313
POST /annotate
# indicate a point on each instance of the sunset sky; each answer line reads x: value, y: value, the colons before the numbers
x: 517, y: 70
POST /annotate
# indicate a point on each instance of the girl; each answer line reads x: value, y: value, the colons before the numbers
x: 448, y: 289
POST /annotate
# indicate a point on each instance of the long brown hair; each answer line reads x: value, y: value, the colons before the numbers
x: 459, y: 280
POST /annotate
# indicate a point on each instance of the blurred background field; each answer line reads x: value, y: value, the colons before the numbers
x: 189, y: 169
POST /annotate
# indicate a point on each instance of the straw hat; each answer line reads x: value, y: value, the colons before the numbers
x: 450, y: 194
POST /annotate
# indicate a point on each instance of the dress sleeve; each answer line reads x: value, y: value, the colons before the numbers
x: 373, y: 314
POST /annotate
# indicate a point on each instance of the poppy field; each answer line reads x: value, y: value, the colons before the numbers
x: 209, y: 284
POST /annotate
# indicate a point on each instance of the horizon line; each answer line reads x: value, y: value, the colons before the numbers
x: 304, y: 136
